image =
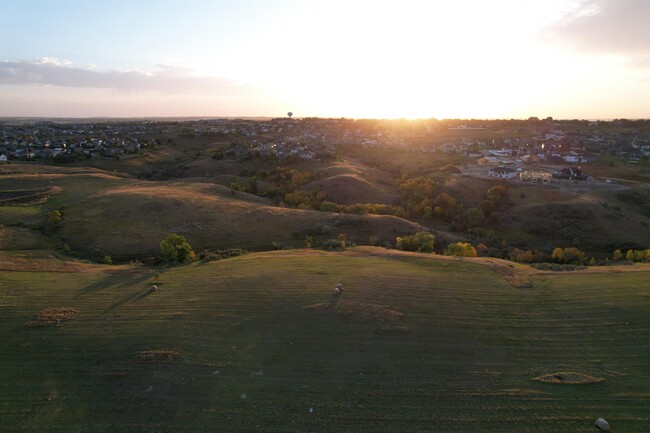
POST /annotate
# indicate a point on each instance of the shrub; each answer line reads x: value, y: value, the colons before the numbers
x: 333, y: 244
x: 557, y: 267
x: 212, y: 255
x: 423, y: 242
x: 54, y: 217
x: 107, y: 260
x: 460, y: 249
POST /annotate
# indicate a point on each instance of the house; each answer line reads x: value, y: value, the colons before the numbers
x: 575, y: 157
x: 502, y: 172
x: 571, y: 173
x: 3, y: 159
x: 530, y: 159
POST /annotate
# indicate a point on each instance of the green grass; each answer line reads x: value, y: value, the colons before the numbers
x: 16, y: 214
x: 107, y: 213
x: 473, y: 344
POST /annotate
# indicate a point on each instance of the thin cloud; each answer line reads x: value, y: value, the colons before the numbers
x: 50, y: 71
x: 609, y: 26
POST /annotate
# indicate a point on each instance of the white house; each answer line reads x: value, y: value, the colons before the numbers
x: 3, y: 159
x: 575, y: 158
x: 502, y: 172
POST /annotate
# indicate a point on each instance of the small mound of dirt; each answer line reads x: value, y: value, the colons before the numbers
x: 568, y: 378
x: 53, y: 316
x: 358, y: 311
x: 157, y: 356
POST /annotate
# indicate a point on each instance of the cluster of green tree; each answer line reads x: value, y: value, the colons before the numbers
x: 424, y: 197
x: 250, y: 186
x: 557, y: 220
x: 339, y: 244
x: 286, y: 178
x: 63, y: 158
x: 632, y: 255
x: 360, y: 208
x: 212, y: 255
x: 422, y: 242
x: 311, y: 200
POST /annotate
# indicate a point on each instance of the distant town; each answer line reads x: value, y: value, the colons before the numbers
x: 497, y: 144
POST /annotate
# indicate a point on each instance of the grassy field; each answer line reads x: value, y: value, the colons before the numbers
x: 448, y: 345
x: 115, y: 214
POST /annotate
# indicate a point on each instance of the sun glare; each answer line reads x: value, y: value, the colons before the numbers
x: 421, y: 60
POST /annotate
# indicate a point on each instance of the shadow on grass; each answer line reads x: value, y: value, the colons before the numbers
x: 134, y: 297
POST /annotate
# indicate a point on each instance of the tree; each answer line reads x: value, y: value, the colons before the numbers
x: 175, y: 248
x: 460, y: 249
x: 629, y: 256
x: 108, y: 260
x: 423, y: 242
x: 558, y: 255
x: 574, y: 255
x: 496, y: 194
x: 54, y: 217
x: 618, y: 256
x: 475, y: 217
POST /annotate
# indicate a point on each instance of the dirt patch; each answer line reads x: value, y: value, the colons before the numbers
x: 358, y: 311
x: 159, y: 356
x: 53, y: 316
x: 568, y: 378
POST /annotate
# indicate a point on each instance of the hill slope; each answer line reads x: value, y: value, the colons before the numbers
x: 108, y: 213
x: 415, y: 343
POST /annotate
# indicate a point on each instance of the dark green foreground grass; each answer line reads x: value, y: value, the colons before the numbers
x: 473, y: 344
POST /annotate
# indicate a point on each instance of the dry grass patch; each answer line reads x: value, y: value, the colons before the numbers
x: 514, y: 273
x: 158, y: 356
x: 568, y: 378
x: 358, y: 311
x: 53, y: 316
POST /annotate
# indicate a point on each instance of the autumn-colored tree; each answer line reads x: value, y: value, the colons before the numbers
x: 460, y: 249
x: 558, y: 255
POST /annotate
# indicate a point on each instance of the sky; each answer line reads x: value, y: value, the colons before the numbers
x: 569, y: 59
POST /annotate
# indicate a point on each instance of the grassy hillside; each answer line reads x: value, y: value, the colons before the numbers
x: 258, y: 344
x: 115, y: 214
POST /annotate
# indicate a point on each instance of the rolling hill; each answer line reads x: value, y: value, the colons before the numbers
x: 258, y: 343
x: 115, y: 214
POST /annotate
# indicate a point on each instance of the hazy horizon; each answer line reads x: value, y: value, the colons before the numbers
x: 506, y: 59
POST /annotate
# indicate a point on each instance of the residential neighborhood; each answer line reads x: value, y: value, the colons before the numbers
x: 492, y: 143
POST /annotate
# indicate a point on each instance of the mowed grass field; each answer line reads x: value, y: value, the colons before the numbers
x: 229, y: 346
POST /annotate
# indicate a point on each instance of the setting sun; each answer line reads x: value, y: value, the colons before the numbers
x: 412, y: 59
